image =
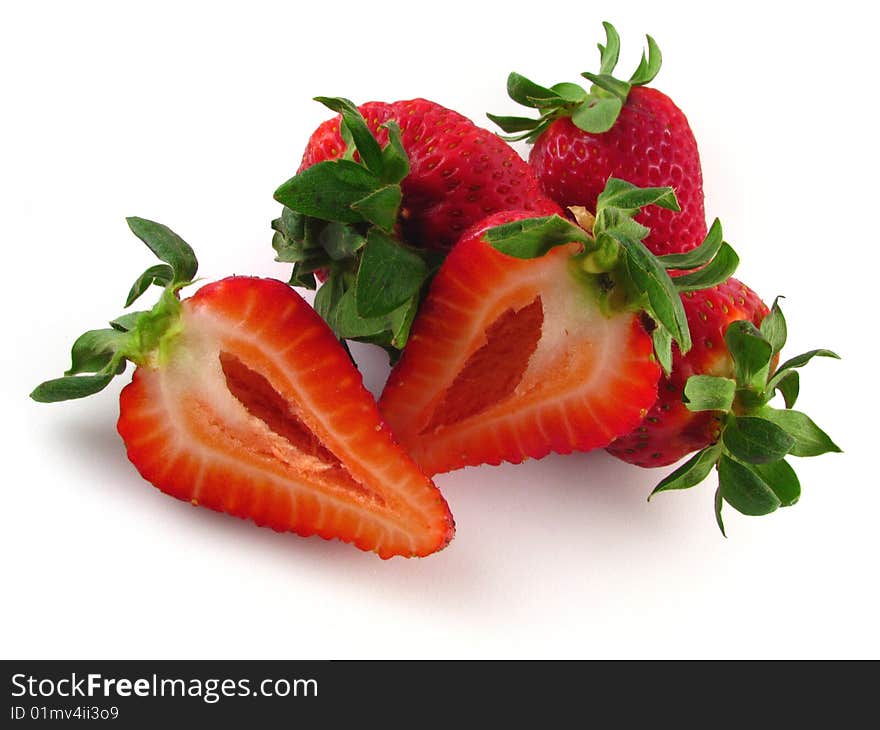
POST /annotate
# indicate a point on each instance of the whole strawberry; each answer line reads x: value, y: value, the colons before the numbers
x: 617, y: 129
x: 716, y: 401
x: 382, y: 193
x: 670, y: 431
x: 458, y: 172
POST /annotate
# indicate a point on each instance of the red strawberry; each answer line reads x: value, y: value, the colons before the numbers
x: 671, y: 431
x: 618, y: 129
x: 459, y: 173
x: 716, y: 402
x: 375, y: 221
x: 530, y: 340
x: 243, y: 401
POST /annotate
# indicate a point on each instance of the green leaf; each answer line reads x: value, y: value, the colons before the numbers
x: 341, y: 241
x: 366, y: 144
x: 381, y: 207
x: 810, y: 440
x: 622, y: 194
x: 800, y: 360
x: 160, y: 275
x: 302, y: 276
x: 514, y: 124
x: 719, y: 503
x: 94, y: 350
x: 709, y: 393
x: 68, y: 388
x: 781, y: 478
x: 773, y: 327
x: 127, y: 322
x: 531, y: 238
x: 328, y: 297
x: 611, y: 50
x: 648, y: 67
x: 395, y: 161
x: 597, y: 115
x: 572, y: 93
x: 528, y: 93
x: 699, y: 256
x: 388, y: 275
x: 350, y: 325
x: 744, y: 489
x: 651, y: 279
x: 788, y: 383
x: 401, y: 320
x: 613, y: 86
x: 168, y: 247
x: 692, y: 472
x: 755, y: 440
x: 718, y: 270
x: 663, y: 348
x: 328, y: 189
x: 751, y: 353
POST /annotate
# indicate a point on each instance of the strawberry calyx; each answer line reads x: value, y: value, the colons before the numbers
x: 341, y: 217
x: 144, y: 337
x: 593, y: 110
x: 754, y: 438
x: 622, y: 272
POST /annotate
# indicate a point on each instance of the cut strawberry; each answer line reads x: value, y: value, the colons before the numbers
x: 243, y: 401
x: 531, y: 339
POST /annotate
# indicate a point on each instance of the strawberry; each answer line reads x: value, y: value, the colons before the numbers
x: 244, y: 402
x: 458, y: 174
x: 531, y: 338
x: 383, y: 192
x: 671, y: 431
x: 616, y: 129
x: 716, y: 401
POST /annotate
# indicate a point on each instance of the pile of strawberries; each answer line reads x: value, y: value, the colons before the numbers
x: 574, y: 302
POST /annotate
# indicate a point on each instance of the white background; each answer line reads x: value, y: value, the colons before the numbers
x: 193, y: 114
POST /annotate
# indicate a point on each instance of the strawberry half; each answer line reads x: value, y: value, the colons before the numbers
x: 531, y: 338
x: 383, y: 192
x: 617, y: 129
x: 243, y: 401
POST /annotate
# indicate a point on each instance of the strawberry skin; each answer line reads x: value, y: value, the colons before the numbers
x: 512, y: 359
x: 252, y: 408
x: 650, y: 144
x: 459, y: 173
x: 671, y: 431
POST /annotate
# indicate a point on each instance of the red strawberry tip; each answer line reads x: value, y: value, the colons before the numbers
x: 755, y: 438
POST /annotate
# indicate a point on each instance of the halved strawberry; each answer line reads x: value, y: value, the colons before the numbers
x: 531, y: 338
x: 243, y: 401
